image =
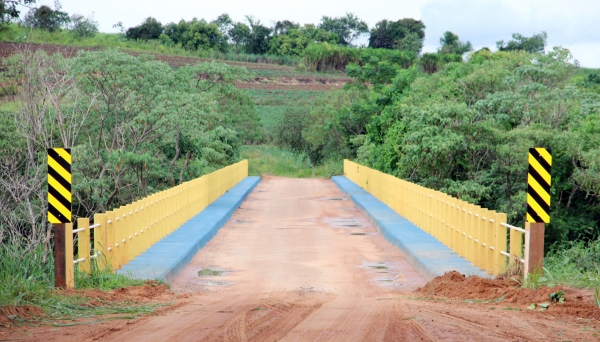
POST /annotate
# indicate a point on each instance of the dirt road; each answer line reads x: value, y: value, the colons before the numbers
x: 303, y: 264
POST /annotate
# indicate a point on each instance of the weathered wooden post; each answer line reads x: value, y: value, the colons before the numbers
x: 538, y: 208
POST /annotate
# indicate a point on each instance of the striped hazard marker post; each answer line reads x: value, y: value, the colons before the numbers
x: 538, y: 208
x: 59, y: 214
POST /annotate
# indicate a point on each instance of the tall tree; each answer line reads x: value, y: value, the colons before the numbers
x: 284, y: 26
x: 404, y: 34
x: 9, y: 10
x: 46, y: 18
x: 196, y: 34
x: 535, y: 43
x: 240, y: 36
x: 149, y: 29
x: 258, y: 40
x: 450, y: 44
x: 348, y: 27
x: 224, y: 23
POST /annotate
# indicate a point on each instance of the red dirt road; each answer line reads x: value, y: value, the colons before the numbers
x: 306, y: 265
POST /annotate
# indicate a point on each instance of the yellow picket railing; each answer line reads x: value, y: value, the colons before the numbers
x: 124, y: 233
x: 477, y: 234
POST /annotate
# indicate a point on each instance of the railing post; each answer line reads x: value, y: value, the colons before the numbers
x: 534, y: 248
x: 100, y: 243
x: 111, y: 243
x: 83, y: 244
x: 500, y: 244
x: 516, y: 244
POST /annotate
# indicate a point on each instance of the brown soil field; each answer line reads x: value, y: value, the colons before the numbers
x: 7, y: 49
x: 280, y: 86
x: 299, y: 262
x: 264, y: 83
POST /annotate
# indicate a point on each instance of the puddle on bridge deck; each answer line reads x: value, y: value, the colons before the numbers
x: 344, y: 222
x: 387, y: 274
x: 332, y: 199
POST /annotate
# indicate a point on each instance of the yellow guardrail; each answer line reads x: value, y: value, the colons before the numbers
x: 477, y: 234
x: 124, y: 233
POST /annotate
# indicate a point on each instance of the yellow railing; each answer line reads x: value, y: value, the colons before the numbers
x: 124, y: 233
x: 476, y: 234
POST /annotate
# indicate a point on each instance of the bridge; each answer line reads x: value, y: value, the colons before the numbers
x: 157, y: 236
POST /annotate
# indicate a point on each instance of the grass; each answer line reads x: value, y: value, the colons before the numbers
x: 26, y: 280
x: 291, y: 72
x: 284, y: 97
x: 578, y: 266
x: 276, y: 161
x: 19, y: 34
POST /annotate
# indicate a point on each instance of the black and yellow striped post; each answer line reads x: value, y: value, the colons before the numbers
x: 539, y: 180
x: 59, y: 213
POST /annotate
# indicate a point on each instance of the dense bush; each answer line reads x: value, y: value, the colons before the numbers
x: 149, y: 29
x: 466, y: 130
x: 135, y: 126
x: 325, y: 56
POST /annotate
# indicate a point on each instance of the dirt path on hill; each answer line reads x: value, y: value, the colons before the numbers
x: 303, y: 264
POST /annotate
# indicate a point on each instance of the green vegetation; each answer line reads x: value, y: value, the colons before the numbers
x: 26, y: 280
x: 272, y: 160
x: 134, y: 125
x: 456, y: 120
x: 576, y: 265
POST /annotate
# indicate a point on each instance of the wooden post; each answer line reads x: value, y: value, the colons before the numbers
x: 534, y: 248
x: 60, y: 271
x: 63, y: 256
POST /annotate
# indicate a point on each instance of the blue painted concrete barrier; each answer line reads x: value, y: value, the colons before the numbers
x: 429, y: 256
x: 166, y: 258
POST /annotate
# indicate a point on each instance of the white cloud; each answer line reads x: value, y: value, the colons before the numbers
x: 483, y: 22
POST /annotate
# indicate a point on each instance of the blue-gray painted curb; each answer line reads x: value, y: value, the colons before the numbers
x: 166, y: 258
x: 429, y: 256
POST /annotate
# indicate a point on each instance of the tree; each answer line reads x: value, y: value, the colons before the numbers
x: 196, y: 34
x: 9, y: 10
x: 295, y: 40
x: 149, y: 29
x: 46, y: 18
x: 82, y: 26
x: 240, y: 36
x: 224, y: 23
x: 347, y: 28
x: 450, y: 44
x: 405, y: 34
x: 283, y: 27
x: 535, y: 43
x: 258, y: 40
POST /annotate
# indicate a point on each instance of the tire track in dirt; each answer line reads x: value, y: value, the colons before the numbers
x: 303, y: 264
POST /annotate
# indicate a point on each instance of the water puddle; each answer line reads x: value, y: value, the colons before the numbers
x: 215, y: 283
x: 332, y: 199
x: 343, y: 222
x: 213, y: 272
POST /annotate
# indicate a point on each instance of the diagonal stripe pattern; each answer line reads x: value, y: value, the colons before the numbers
x: 59, y: 185
x: 538, y: 182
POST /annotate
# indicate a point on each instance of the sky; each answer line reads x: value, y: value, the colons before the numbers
x: 572, y: 24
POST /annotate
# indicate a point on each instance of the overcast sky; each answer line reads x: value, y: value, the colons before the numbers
x: 573, y: 24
